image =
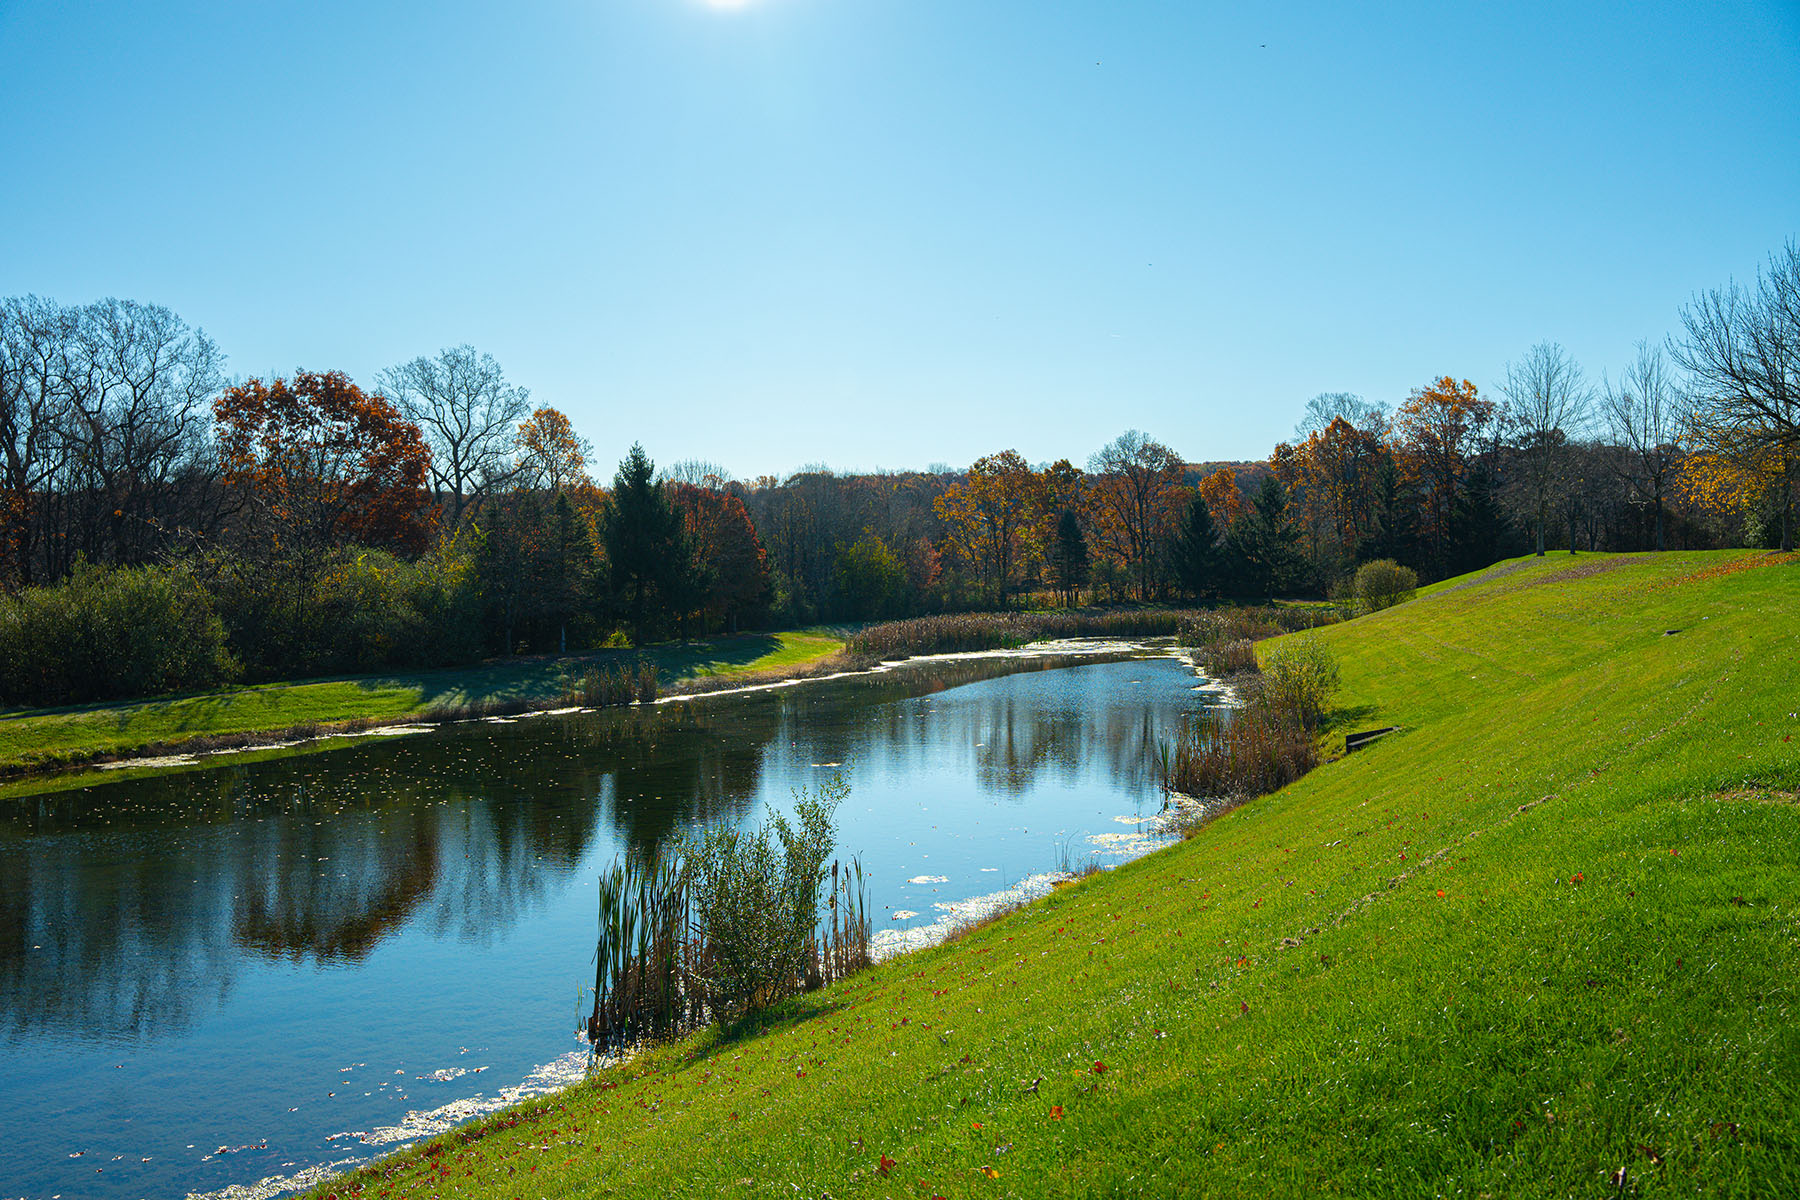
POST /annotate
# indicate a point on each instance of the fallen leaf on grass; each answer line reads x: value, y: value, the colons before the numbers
x: 990, y: 1172
x: 1056, y: 1112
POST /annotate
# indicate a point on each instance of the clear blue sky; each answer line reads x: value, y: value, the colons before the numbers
x: 898, y: 232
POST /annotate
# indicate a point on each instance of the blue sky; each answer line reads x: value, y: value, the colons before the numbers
x: 889, y: 233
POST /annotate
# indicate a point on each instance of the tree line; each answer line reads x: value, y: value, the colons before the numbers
x: 309, y: 525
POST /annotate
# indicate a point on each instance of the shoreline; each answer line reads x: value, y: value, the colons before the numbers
x: 195, y: 751
x: 1155, y: 832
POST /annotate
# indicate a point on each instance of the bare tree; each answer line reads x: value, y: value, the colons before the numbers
x: 1547, y: 406
x: 468, y: 413
x: 1370, y: 416
x: 698, y: 472
x: 135, y: 383
x: 1645, y: 414
x: 34, y: 334
x: 1742, y: 347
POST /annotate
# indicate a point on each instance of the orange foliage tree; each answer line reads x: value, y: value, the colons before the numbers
x: 318, y: 462
x: 1134, y: 495
x: 1436, y: 432
x: 1224, y: 499
x: 726, y: 546
x: 1331, y: 481
x: 989, y: 516
x: 551, y: 455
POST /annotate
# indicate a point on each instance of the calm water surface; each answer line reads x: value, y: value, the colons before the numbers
x: 215, y: 976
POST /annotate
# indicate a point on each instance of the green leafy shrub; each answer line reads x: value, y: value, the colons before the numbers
x: 1383, y: 583
x: 755, y: 897
x: 108, y: 633
x: 1299, y: 677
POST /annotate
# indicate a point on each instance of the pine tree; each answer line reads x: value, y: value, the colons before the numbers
x: 1197, y: 558
x: 1264, y: 545
x: 652, y: 565
x: 1069, y: 556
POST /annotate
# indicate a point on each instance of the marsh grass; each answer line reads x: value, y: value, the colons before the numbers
x: 963, y: 632
x: 604, y: 687
x: 725, y: 926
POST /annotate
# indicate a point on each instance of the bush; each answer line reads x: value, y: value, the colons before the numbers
x: 996, y: 631
x: 1235, y: 755
x: 1299, y: 677
x: 110, y: 633
x: 360, y: 610
x: 1383, y: 583
x: 755, y: 902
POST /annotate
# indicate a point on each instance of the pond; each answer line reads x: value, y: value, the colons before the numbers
x: 219, y: 976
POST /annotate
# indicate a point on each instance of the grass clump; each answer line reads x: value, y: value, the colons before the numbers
x: 601, y: 687
x: 726, y: 925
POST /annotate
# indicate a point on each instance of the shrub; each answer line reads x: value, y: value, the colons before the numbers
x: 108, y: 633
x: 1299, y: 677
x: 1383, y: 583
x: 996, y: 631
x: 1237, y: 754
x: 755, y: 902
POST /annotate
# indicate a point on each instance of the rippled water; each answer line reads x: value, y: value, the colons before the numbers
x: 217, y: 975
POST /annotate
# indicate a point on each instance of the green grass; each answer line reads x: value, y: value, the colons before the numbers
x: 1545, y: 932
x: 50, y: 737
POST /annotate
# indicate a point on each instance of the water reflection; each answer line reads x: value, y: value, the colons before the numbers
x: 129, y: 909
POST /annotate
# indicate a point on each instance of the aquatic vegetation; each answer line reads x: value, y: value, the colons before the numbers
x: 725, y: 925
x: 603, y: 687
x: 962, y: 632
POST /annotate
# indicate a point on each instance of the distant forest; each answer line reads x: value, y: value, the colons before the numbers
x: 163, y: 527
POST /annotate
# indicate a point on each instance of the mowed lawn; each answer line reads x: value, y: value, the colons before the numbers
x: 1542, y: 941
x: 50, y: 736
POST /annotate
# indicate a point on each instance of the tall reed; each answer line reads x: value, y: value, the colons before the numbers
x: 599, y: 687
x: 961, y: 632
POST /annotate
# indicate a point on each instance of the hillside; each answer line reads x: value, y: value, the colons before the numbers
x: 1544, y: 934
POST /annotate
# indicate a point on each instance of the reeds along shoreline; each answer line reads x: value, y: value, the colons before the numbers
x: 654, y: 973
x: 960, y: 632
x: 599, y: 687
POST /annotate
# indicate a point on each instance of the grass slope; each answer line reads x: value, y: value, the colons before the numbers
x: 1544, y: 933
x: 42, y: 737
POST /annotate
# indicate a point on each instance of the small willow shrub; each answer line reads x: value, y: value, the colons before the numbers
x: 755, y: 898
x: 1383, y: 584
x: 1299, y: 677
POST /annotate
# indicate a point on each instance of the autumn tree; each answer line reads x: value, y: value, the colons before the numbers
x: 468, y: 412
x: 1741, y: 346
x: 1331, y: 480
x: 317, y: 462
x: 551, y: 455
x: 725, y: 543
x: 1347, y: 407
x: 1436, y: 431
x: 1224, y: 499
x: 1134, y: 493
x: 989, y: 515
x: 1644, y: 413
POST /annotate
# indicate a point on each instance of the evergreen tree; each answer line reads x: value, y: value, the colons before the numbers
x: 651, y: 563
x: 1397, y: 506
x: 1480, y: 534
x: 1069, y: 556
x: 567, y: 571
x: 1195, y: 555
x: 1264, y: 545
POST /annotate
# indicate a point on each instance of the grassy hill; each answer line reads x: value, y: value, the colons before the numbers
x: 1545, y: 933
